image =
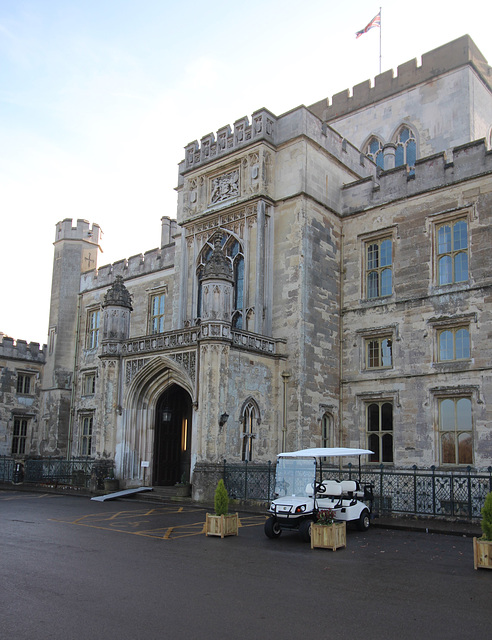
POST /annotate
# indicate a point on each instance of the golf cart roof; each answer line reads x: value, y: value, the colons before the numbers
x: 325, y: 452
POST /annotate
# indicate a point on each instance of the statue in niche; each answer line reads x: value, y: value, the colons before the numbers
x: 225, y: 187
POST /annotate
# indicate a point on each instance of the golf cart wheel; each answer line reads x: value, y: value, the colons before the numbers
x: 364, y: 521
x: 272, y: 528
x: 305, y: 530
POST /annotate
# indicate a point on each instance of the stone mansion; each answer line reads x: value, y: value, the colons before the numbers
x: 327, y: 281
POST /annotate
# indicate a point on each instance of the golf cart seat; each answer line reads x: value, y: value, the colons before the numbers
x: 349, y: 490
x: 333, y: 489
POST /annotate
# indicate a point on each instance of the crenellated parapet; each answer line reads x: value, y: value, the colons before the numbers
x: 211, y: 147
x: 443, y: 169
x: 82, y: 231
x: 437, y: 62
x: 21, y: 350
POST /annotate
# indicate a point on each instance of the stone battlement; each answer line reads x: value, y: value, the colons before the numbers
x: 467, y: 161
x: 65, y: 231
x: 137, y: 265
x: 211, y: 147
x: 21, y: 350
x: 446, y: 58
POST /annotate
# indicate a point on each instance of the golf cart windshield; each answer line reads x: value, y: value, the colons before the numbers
x: 293, y: 474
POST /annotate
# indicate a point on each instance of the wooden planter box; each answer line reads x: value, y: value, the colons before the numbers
x: 222, y: 525
x: 482, y: 553
x: 330, y: 536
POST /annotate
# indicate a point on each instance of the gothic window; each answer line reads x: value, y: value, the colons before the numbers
x: 406, y: 149
x: 374, y: 150
x: 453, y: 344
x: 157, y: 304
x: 19, y: 436
x: 249, y: 419
x: 236, y: 256
x: 327, y: 431
x: 93, y: 320
x: 452, y: 252
x: 455, y: 431
x: 379, y: 270
x: 379, y: 421
x: 86, y: 435
x: 24, y: 383
x: 379, y: 353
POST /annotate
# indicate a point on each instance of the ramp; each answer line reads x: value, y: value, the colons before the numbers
x: 121, y: 494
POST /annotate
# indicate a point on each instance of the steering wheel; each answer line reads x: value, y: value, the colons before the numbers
x: 320, y: 488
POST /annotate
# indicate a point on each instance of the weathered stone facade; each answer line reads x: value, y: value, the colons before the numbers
x: 305, y: 295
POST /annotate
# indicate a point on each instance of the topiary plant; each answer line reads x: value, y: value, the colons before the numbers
x: 221, y: 499
x: 487, y: 518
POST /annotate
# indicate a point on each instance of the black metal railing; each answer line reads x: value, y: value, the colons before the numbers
x: 75, y: 472
x: 421, y: 492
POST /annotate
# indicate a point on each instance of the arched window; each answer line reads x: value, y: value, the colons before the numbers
x: 379, y: 421
x: 327, y: 431
x: 235, y: 254
x: 406, y: 149
x: 374, y: 150
x: 250, y: 418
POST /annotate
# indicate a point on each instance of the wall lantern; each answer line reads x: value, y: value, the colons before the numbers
x: 223, y: 419
x: 167, y: 415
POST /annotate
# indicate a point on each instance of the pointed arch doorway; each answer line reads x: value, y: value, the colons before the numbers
x: 172, y: 439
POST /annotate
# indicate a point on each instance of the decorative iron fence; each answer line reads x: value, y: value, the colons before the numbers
x: 76, y: 472
x: 422, y: 492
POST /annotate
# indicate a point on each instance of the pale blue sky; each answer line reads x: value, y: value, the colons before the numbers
x: 99, y: 97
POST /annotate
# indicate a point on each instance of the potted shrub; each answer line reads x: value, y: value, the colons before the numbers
x: 482, y: 547
x: 183, y: 487
x: 326, y: 533
x: 222, y: 523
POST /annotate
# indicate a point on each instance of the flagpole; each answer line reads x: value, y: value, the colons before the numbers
x: 380, y: 29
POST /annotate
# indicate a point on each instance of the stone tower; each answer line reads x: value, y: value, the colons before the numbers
x: 76, y: 251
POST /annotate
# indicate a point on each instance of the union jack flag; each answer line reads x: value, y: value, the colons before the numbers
x: 375, y: 22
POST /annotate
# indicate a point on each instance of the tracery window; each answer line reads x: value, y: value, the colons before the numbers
x: 452, y: 252
x: 406, y: 148
x: 374, y: 150
x: 249, y: 420
x: 455, y: 431
x: 379, y: 421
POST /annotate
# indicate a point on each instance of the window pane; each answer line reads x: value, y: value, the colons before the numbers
x: 411, y: 153
x: 447, y: 415
x: 373, y: 417
x: 461, y: 267
x: 386, y: 253
x: 462, y: 343
x: 444, y: 239
x: 404, y: 135
x: 374, y: 146
x: 460, y: 235
x: 387, y: 417
x: 446, y: 345
x: 372, y: 256
x: 386, y: 352
x: 372, y: 285
x: 387, y: 447
x: 445, y: 270
x: 239, y: 284
x: 380, y: 160
x: 373, y: 354
x: 373, y: 445
x: 399, y: 156
x: 464, y: 413
x: 386, y: 282
x: 465, y: 448
x: 448, y: 452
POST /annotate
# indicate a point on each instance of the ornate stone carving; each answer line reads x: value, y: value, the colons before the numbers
x: 225, y: 187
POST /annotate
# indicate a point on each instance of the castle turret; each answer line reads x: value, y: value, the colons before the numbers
x: 76, y: 250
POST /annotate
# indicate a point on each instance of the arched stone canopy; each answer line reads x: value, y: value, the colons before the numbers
x: 140, y: 401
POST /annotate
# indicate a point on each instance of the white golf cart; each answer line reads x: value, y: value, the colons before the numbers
x: 300, y: 492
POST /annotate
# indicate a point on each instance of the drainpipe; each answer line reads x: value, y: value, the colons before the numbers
x: 74, y: 381
x: 285, y: 379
